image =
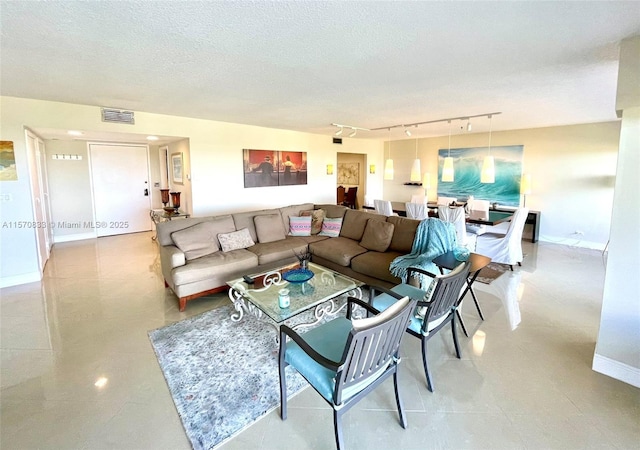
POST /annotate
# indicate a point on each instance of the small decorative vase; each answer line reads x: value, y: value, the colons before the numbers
x: 164, y: 193
x: 175, y: 201
x: 304, y: 264
x: 283, y: 298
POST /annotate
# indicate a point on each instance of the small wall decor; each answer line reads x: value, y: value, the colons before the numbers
x: 274, y: 168
x: 349, y: 173
x: 7, y: 162
x: 468, y: 165
x: 177, y: 169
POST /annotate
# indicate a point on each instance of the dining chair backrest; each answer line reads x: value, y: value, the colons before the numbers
x: 340, y: 193
x: 456, y: 217
x: 383, y: 207
x: 516, y: 226
x: 418, y: 199
x: 350, y: 197
x: 416, y: 210
x: 446, y: 200
x: 479, y: 205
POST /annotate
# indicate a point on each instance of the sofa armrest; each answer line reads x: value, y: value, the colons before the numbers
x: 171, y: 257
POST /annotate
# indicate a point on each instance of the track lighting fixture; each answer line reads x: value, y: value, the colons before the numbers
x: 406, y: 131
x: 339, y: 132
x: 468, y: 125
x: 407, y: 125
x: 353, y: 133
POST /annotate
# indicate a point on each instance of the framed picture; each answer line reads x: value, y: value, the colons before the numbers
x: 264, y: 168
x: 349, y: 173
x: 177, y: 169
x: 7, y: 162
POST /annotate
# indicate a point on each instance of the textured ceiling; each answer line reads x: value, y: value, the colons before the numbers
x: 303, y: 65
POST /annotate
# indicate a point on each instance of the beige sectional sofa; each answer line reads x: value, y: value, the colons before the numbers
x: 194, y: 262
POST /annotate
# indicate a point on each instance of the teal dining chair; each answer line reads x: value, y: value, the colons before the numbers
x: 345, y: 359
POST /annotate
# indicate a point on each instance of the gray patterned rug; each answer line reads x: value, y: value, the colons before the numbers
x: 491, y: 272
x: 223, y: 375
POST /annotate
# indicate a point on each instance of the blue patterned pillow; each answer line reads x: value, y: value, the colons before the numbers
x: 300, y: 226
x: 331, y: 227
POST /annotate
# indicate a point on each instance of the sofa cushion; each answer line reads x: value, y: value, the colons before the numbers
x: 376, y: 265
x: 293, y: 210
x: 300, y: 226
x: 313, y: 238
x: 333, y: 210
x: 196, y: 241
x: 377, y: 235
x: 403, y: 233
x: 213, y: 265
x: 235, y: 240
x: 355, y: 221
x: 269, y: 228
x: 317, y: 216
x: 245, y: 220
x: 278, y: 250
x: 331, y: 227
x: 338, y: 250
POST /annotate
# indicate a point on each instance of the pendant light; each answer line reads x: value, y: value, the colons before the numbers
x: 488, y: 174
x: 447, y: 169
x: 415, y: 168
x: 388, y: 165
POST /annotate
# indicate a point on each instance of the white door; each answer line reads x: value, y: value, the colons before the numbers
x: 44, y: 184
x: 120, y: 177
x: 40, y: 223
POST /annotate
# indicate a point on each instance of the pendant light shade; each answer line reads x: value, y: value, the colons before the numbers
x: 388, y: 164
x: 388, y: 169
x: 447, y: 170
x: 525, y: 184
x: 416, y: 173
x: 488, y: 174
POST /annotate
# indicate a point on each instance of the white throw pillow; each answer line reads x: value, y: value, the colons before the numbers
x: 235, y: 240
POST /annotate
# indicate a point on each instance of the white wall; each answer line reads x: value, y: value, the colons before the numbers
x: 618, y: 347
x: 572, y: 169
x: 216, y: 168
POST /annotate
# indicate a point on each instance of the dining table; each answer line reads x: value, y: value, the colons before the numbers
x: 475, y: 217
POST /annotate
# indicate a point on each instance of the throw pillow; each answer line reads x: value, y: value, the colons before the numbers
x: 299, y: 226
x: 331, y: 227
x: 235, y: 240
x: 196, y: 241
x: 377, y: 235
x: 317, y: 216
x: 269, y: 228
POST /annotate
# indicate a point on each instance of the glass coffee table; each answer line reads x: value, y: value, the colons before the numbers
x: 261, y: 299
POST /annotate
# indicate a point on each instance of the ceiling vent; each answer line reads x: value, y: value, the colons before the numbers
x: 117, y: 116
x: 337, y: 140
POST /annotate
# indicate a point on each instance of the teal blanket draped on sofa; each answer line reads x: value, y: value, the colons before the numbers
x: 433, y: 238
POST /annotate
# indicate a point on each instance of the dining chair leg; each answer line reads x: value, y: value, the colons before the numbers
x: 403, y: 419
x: 455, y: 335
x: 337, y: 424
x: 464, y: 329
x: 426, y: 366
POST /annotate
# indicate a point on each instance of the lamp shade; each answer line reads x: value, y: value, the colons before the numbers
x: 447, y: 170
x: 488, y: 174
x: 388, y: 169
x: 525, y: 184
x: 416, y: 176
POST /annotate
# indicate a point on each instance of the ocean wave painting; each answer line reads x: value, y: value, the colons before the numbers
x: 467, y: 164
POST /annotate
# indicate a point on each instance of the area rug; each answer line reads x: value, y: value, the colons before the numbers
x: 223, y: 375
x: 491, y: 272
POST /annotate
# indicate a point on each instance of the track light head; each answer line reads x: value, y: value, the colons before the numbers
x: 407, y: 132
x: 353, y: 133
x: 339, y: 132
x: 468, y: 125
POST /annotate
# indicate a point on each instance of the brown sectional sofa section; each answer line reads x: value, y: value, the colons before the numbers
x: 192, y: 278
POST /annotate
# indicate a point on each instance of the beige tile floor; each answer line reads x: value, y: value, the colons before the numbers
x: 525, y: 380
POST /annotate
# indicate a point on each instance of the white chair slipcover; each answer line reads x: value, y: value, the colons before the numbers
x: 446, y: 200
x: 456, y: 217
x: 383, y: 207
x: 505, y: 249
x: 417, y: 210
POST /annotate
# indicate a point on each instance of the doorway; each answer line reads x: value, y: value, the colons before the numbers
x: 120, y: 180
x: 351, y: 173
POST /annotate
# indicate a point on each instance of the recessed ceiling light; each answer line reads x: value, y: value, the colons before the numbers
x: 75, y: 133
x: 152, y: 138
x: 101, y: 382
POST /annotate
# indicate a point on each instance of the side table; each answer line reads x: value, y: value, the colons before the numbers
x: 160, y: 215
x: 449, y: 262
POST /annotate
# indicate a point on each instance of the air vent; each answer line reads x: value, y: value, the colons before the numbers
x: 337, y: 140
x: 117, y: 116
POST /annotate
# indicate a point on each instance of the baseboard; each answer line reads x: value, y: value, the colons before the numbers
x: 73, y: 237
x: 31, y: 277
x: 616, y: 369
x: 573, y: 242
